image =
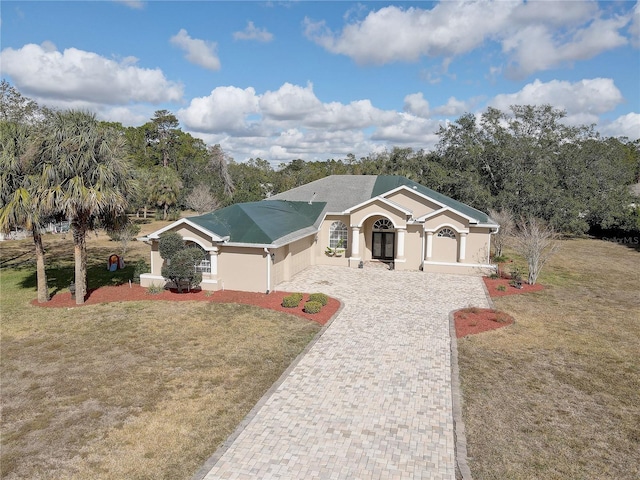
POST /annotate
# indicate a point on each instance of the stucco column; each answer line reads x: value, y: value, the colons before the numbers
x: 355, y: 242
x: 213, y: 258
x: 400, y: 250
x: 463, y: 247
x: 429, y: 245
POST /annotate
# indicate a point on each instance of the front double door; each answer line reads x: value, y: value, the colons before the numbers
x: 383, y: 245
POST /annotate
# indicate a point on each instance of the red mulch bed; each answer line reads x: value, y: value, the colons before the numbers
x: 493, y: 284
x: 124, y: 293
x: 470, y: 321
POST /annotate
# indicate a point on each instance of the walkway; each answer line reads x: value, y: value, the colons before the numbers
x: 371, y: 399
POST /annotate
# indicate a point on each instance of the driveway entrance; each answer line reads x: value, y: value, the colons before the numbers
x: 372, y: 397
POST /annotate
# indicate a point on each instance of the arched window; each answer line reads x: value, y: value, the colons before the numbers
x: 338, y: 235
x: 383, y: 224
x: 447, y: 233
x: 205, y: 265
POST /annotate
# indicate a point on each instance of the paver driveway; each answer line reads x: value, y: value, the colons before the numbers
x: 372, y: 397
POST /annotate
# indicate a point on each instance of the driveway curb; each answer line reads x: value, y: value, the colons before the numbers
x: 463, y: 472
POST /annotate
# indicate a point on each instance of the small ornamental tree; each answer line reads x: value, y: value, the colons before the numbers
x: 536, y: 242
x: 504, y: 218
x: 169, y: 244
x: 179, y: 267
x: 180, y: 270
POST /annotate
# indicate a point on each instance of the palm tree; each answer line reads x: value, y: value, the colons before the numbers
x: 164, y: 186
x: 19, y: 194
x: 87, y: 177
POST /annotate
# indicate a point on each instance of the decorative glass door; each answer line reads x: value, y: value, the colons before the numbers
x: 383, y: 245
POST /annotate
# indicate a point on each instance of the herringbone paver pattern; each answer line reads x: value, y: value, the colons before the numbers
x: 372, y: 398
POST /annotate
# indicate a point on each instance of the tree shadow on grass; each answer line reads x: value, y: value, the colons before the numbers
x: 60, y: 277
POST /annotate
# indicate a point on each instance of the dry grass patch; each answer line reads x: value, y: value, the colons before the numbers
x: 130, y: 390
x: 555, y: 396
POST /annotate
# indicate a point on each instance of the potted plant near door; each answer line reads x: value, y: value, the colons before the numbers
x: 338, y: 251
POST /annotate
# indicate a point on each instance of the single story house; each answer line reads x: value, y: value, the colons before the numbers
x: 346, y: 220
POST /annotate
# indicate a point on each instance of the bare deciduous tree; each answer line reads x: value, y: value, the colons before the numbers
x: 504, y: 218
x: 201, y: 200
x: 218, y: 163
x: 536, y: 242
x: 124, y: 234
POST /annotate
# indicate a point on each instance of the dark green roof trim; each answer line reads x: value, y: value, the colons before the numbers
x: 261, y: 223
x: 386, y: 183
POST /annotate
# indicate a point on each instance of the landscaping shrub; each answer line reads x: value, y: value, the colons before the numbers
x: 312, y: 307
x: 501, y: 288
x: 292, y: 301
x: 181, y: 272
x: 140, y: 267
x: 154, y: 289
x: 319, y: 297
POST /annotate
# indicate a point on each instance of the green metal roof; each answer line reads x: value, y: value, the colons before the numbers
x: 261, y: 222
x: 386, y: 183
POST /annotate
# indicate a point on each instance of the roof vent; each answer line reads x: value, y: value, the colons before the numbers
x: 312, y: 198
x: 415, y: 187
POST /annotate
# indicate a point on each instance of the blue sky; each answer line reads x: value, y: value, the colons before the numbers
x: 319, y: 80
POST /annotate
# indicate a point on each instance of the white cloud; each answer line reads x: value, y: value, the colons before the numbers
x: 453, y: 108
x: 554, y: 13
x: 408, y: 130
x: 127, y: 116
x: 584, y: 99
x: 80, y: 76
x: 395, y: 34
x: 536, y: 47
x: 355, y: 115
x: 198, y: 52
x: 625, y: 126
x: 416, y: 104
x: 534, y: 36
x: 251, y: 32
x: 226, y: 109
x: 634, y: 28
x: 290, y: 102
x: 135, y: 4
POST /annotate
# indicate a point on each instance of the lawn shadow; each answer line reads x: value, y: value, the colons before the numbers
x: 60, y: 277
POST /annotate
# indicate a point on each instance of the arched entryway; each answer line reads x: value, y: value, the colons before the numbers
x: 383, y: 240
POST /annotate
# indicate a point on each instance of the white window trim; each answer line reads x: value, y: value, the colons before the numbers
x: 338, y: 231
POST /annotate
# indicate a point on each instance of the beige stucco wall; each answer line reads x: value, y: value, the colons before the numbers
x: 412, y: 248
x: 379, y: 208
x: 242, y: 268
x: 445, y: 249
x: 462, y: 269
x: 446, y: 219
x: 301, y: 253
x: 291, y: 259
x: 478, y: 242
x: 418, y: 205
x: 156, y: 260
x: 189, y: 233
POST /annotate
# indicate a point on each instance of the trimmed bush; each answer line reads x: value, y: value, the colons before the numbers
x: 292, y: 301
x: 140, y: 267
x: 319, y: 297
x: 312, y: 307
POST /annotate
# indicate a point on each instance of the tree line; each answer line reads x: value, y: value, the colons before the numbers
x: 527, y: 161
